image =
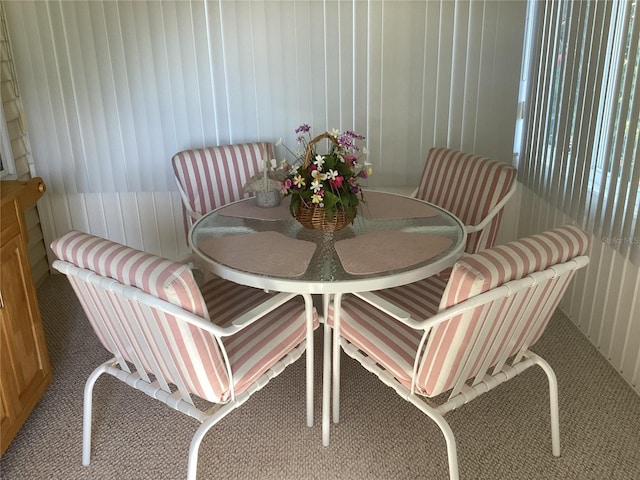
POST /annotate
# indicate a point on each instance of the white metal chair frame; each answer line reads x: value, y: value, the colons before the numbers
x: 193, y: 215
x: 526, y: 292
x: 179, y: 398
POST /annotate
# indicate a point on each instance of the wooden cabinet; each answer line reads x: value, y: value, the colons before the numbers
x: 25, y: 373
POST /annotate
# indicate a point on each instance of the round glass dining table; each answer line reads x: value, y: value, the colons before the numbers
x: 394, y: 240
x: 383, y: 217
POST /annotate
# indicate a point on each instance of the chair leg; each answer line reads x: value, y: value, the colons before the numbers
x: 206, y: 425
x: 86, y: 414
x: 194, y: 447
x: 452, y: 453
x: 326, y: 371
x: 553, y: 402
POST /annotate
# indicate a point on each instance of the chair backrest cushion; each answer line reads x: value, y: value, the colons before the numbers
x: 214, y: 176
x: 155, y: 341
x: 157, y: 276
x: 469, y: 186
x: 490, y: 268
x: 483, y: 337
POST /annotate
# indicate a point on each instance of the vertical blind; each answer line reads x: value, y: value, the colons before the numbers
x: 113, y: 89
x: 580, y: 149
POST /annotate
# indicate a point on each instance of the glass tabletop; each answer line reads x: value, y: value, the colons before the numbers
x: 325, y: 271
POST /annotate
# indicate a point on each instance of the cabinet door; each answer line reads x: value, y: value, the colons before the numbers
x: 25, y: 371
x: 8, y: 396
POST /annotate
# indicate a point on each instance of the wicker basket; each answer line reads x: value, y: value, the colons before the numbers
x: 315, y: 217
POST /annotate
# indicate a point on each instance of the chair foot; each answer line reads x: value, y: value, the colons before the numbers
x: 87, y: 411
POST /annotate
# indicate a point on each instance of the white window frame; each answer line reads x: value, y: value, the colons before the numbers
x: 8, y: 170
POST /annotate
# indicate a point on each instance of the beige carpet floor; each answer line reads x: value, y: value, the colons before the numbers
x: 502, y: 435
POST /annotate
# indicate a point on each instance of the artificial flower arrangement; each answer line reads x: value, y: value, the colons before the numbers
x: 326, y: 186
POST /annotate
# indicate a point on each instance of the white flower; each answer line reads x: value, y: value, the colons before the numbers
x: 274, y: 163
x: 335, y: 133
x: 279, y: 142
x: 319, y: 161
x: 332, y: 174
x: 365, y: 151
x: 316, y: 186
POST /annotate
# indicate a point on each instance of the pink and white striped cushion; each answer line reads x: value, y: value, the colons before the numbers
x: 450, y: 343
x: 390, y: 343
x: 255, y: 349
x: 488, y: 269
x: 170, y: 281
x: 469, y: 186
x: 394, y: 345
x: 198, y: 360
x: 214, y: 176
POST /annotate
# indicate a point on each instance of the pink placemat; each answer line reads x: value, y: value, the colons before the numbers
x: 249, y: 209
x: 384, y: 206
x: 267, y: 253
x: 385, y: 250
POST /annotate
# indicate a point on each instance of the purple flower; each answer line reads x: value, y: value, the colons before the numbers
x: 354, y: 135
x: 303, y: 128
x: 350, y: 159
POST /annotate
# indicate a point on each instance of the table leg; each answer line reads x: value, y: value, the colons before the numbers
x: 308, y: 301
x: 326, y: 372
x: 335, y: 364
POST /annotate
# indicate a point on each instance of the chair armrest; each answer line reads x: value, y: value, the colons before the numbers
x: 256, y: 313
x: 394, y: 311
x: 385, y: 306
x: 494, y: 211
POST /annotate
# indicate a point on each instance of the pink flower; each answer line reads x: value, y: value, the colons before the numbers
x: 286, y: 186
x: 336, y: 182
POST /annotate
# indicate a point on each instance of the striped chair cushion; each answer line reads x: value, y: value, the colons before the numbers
x: 469, y: 186
x: 488, y: 269
x: 170, y: 281
x: 198, y: 360
x: 255, y: 349
x: 450, y: 343
x: 214, y: 176
x: 394, y: 345
x: 390, y: 343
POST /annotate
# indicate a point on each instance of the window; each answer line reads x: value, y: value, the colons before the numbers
x: 577, y: 145
x: 7, y: 167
